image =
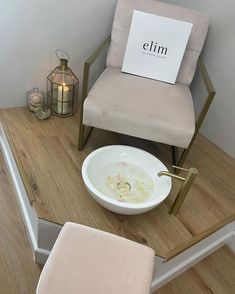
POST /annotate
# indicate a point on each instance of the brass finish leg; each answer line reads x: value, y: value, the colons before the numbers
x: 200, y: 119
x: 84, y: 133
x: 175, y: 155
x: 81, y: 137
x: 185, y: 153
x: 81, y: 128
x: 87, y: 133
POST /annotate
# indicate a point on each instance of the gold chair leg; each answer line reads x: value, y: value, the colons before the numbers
x: 87, y: 133
x: 184, y: 155
x: 179, y: 160
x: 84, y: 133
x: 211, y: 94
x: 175, y: 155
x: 81, y: 127
x: 81, y: 137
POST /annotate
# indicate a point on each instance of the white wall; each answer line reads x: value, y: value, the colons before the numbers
x: 30, y: 32
x: 219, y: 58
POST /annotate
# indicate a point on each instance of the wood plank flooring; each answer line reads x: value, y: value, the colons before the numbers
x: 19, y: 274
x: 50, y: 165
x: 215, y: 274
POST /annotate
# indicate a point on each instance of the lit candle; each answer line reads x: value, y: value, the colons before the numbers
x: 63, y: 98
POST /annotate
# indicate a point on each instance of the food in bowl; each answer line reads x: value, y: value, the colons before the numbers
x: 126, y: 182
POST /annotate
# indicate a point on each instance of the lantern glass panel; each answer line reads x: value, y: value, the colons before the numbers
x: 62, y: 90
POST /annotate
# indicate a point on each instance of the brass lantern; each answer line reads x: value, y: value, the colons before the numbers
x: 62, y: 89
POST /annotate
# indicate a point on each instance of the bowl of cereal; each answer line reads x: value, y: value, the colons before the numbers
x: 125, y: 179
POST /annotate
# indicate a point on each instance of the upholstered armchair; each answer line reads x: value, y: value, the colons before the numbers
x: 142, y: 107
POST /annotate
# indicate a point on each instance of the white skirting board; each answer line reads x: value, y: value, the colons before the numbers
x: 231, y: 242
x: 29, y: 215
x: 42, y: 234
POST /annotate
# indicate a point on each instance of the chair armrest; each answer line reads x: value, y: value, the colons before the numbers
x: 88, y: 64
x: 210, y: 90
x: 210, y: 95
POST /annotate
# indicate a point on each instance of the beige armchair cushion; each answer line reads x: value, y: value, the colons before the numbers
x: 89, y: 261
x: 141, y: 107
x: 121, y: 27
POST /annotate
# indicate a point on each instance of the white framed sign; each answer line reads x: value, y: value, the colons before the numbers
x: 155, y: 46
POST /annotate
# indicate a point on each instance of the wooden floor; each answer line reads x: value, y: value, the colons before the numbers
x: 215, y: 274
x: 50, y: 165
x: 19, y: 274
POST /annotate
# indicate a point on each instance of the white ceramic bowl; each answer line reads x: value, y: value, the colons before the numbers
x: 103, y: 162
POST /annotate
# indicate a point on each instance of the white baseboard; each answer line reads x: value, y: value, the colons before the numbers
x: 29, y: 215
x: 41, y: 255
x: 231, y: 242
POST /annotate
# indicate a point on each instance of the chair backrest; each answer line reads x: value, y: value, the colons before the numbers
x: 121, y: 27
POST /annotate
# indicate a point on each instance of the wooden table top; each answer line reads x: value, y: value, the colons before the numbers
x: 50, y: 165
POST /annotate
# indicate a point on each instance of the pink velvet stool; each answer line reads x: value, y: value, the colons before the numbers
x: 89, y: 261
